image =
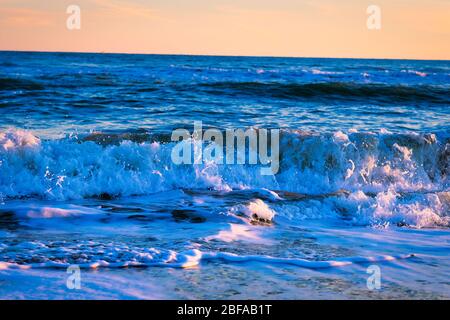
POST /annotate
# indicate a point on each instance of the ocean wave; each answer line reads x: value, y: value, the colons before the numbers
x: 19, y: 84
x: 364, y: 178
x: 309, y: 163
x: 381, y: 210
x: 92, y: 255
x: 347, y: 91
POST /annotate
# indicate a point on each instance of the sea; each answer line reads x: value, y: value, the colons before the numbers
x: 92, y: 205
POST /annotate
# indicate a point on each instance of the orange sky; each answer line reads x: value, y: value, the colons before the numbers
x: 416, y: 29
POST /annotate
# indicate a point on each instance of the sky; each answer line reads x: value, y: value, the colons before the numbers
x: 410, y: 29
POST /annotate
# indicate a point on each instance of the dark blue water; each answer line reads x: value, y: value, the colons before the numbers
x: 66, y: 92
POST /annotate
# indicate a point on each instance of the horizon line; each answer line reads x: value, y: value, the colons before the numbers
x: 221, y: 55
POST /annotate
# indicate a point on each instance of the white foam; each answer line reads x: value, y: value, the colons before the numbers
x: 45, y: 211
x: 111, y: 257
x: 310, y: 163
x: 18, y: 139
x: 239, y: 232
x: 341, y: 262
x: 259, y: 209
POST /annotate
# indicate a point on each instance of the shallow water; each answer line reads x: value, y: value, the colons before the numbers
x: 86, y: 178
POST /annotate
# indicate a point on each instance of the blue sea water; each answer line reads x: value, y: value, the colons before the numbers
x: 86, y: 177
x: 60, y: 92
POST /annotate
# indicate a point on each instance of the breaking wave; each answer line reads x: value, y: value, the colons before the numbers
x: 362, y: 177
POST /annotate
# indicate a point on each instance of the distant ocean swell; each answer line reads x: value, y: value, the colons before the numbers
x: 335, y: 90
x: 363, y: 178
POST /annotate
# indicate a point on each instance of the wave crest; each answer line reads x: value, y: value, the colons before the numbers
x: 309, y: 163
